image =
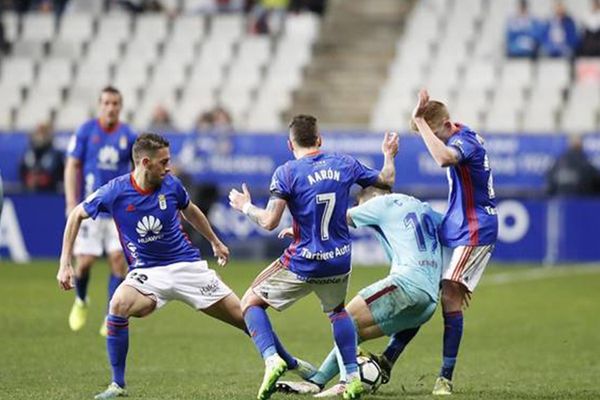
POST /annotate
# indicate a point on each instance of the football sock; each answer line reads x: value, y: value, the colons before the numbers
x: 113, y: 283
x: 397, y: 344
x: 261, y: 330
x: 453, y: 327
x: 117, y: 344
x: 81, y: 285
x: 328, y: 369
x: 345, y: 339
x: 287, y: 357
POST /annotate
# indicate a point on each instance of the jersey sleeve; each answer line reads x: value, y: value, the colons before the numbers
x: 77, y: 143
x: 101, y: 200
x: 463, y: 146
x: 280, y: 183
x: 181, y: 194
x: 368, y: 213
x: 363, y: 175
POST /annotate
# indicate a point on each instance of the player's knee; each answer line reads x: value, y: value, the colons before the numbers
x: 250, y: 300
x: 120, y: 306
x: 452, y: 296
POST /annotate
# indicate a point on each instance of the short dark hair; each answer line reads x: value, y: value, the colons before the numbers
x: 304, y: 131
x: 148, y: 144
x: 112, y: 90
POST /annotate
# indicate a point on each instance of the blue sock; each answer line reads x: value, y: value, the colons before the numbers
x: 453, y: 327
x: 117, y: 344
x: 345, y: 338
x: 113, y: 283
x: 261, y: 330
x: 81, y: 285
x: 397, y: 344
x: 291, y: 362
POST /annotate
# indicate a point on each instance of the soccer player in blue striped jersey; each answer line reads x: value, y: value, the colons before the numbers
x: 470, y: 227
x: 99, y: 151
x: 400, y: 303
x: 315, y: 187
x: 147, y: 206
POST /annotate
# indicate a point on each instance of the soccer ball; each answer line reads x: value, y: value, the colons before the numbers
x: 370, y: 373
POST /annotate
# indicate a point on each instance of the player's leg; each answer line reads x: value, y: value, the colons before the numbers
x: 87, y: 249
x: 118, y: 271
x: 279, y: 288
x: 126, y: 302
x: 460, y: 277
x: 332, y: 294
x: 79, y: 310
x: 116, y: 261
x: 228, y: 310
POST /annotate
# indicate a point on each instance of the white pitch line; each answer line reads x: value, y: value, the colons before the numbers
x: 537, y: 274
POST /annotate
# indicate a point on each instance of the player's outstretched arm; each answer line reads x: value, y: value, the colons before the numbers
x: 389, y: 148
x: 65, y: 270
x: 268, y: 218
x: 72, y: 168
x: 443, y: 155
x: 200, y: 223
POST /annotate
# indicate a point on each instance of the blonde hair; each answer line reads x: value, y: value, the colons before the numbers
x: 435, y: 114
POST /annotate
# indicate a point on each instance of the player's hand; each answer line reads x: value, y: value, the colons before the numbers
x: 287, y: 232
x: 237, y: 200
x: 221, y: 252
x: 65, y: 276
x: 390, y: 144
x: 421, y: 103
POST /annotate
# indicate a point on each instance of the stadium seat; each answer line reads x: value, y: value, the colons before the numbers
x: 55, y: 72
x: 76, y: 28
x: 538, y: 117
x: 579, y: 120
x: 38, y: 27
x: 227, y: 28
x: 501, y: 120
x: 151, y: 28
x: 11, y: 25
x: 17, y: 72
x: 71, y: 115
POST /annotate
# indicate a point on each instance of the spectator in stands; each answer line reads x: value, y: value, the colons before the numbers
x: 315, y: 6
x: 205, y: 122
x: 4, y: 43
x: 264, y: 13
x: 522, y: 33
x: 218, y: 120
x: 42, y: 165
x: 140, y: 6
x: 590, y: 42
x: 559, y: 35
x: 222, y: 121
x: 161, y: 121
x: 573, y: 173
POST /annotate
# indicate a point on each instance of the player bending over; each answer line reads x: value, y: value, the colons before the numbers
x: 399, y: 304
x: 146, y: 206
x: 470, y: 227
x: 315, y: 187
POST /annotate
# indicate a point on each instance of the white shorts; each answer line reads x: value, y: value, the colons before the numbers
x: 96, y: 237
x: 465, y: 264
x: 280, y: 288
x: 190, y: 282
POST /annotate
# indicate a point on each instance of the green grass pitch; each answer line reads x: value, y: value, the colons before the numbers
x: 530, y: 333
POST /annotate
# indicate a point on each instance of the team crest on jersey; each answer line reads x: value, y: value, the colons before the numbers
x: 108, y: 158
x: 162, y: 202
x: 123, y: 142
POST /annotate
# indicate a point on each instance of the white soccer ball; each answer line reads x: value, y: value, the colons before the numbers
x: 370, y: 373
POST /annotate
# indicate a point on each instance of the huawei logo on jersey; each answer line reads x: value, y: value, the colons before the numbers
x: 108, y: 158
x: 146, y: 225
